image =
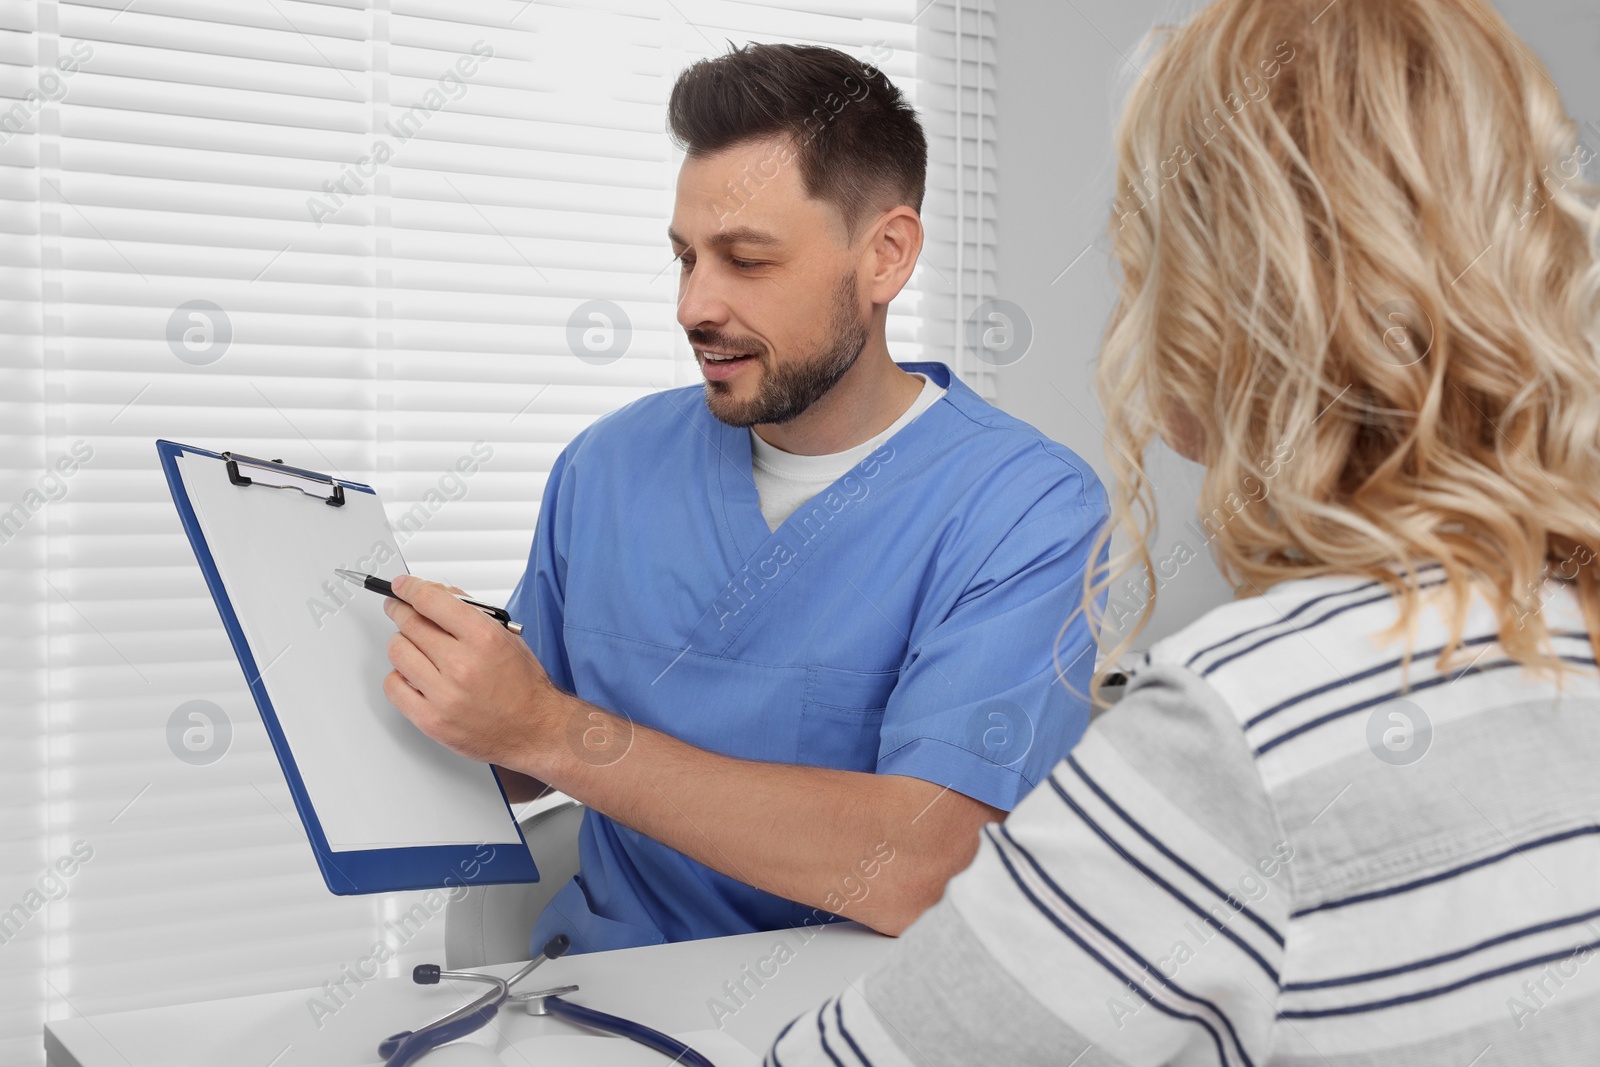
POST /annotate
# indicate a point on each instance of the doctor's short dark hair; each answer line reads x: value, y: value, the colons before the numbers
x: 858, y: 142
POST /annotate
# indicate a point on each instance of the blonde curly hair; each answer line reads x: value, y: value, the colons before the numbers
x: 1357, y: 271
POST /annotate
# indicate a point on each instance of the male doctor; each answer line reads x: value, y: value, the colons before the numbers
x: 794, y: 636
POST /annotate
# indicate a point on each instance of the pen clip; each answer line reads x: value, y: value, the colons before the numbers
x: 498, y: 614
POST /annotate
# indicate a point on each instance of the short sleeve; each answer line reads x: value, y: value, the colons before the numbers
x: 981, y: 706
x: 539, y: 600
x: 1132, y: 906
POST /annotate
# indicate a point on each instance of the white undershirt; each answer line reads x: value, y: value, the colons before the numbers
x: 784, y: 480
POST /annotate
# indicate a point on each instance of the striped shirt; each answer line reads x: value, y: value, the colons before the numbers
x: 1274, y: 851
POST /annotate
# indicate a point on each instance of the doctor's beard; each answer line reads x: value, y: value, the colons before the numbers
x: 787, y: 391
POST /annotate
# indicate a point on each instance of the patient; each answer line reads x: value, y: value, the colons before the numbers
x: 1354, y: 816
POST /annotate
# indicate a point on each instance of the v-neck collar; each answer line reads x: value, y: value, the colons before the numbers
x: 732, y: 484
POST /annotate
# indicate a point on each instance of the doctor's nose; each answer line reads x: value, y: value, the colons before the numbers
x: 700, y: 306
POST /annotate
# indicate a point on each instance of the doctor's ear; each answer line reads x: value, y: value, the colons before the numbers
x: 893, y: 245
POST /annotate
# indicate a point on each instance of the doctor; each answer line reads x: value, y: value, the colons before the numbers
x: 792, y: 636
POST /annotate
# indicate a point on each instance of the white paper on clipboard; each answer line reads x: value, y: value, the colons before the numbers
x: 375, y: 780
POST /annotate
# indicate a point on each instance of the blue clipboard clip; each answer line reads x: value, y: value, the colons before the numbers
x: 234, y: 459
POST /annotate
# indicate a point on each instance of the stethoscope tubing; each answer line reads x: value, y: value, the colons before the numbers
x: 401, y: 1049
x: 613, y: 1024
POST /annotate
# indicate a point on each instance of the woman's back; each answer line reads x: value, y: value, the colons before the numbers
x: 1442, y: 822
x: 1273, y: 851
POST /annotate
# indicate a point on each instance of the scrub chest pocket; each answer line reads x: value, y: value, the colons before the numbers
x: 842, y: 715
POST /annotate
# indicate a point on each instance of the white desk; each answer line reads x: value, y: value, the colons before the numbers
x: 668, y: 987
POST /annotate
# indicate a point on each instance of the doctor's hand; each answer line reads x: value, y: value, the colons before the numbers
x: 466, y: 681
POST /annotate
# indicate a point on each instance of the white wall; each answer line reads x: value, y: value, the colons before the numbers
x: 1061, y: 67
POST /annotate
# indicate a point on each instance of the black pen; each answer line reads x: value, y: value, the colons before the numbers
x: 378, y: 585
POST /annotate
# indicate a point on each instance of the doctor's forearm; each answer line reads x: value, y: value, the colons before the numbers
x: 875, y: 848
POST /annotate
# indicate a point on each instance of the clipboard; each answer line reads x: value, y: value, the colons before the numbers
x: 385, y: 807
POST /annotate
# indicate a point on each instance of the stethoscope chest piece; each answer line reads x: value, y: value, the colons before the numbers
x: 534, y: 1003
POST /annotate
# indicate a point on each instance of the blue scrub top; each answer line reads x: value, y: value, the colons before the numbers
x: 900, y: 622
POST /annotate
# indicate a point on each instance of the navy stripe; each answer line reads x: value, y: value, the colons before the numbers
x: 1312, y: 625
x: 1172, y: 890
x: 1443, y: 679
x: 1111, y: 968
x: 1362, y: 676
x: 1406, y: 887
x: 838, y: 1019
x: 822, y: 1036
x: 1438, y: 991
x: 773, y: 1054
x: 1434, y: 961
x: 1105, y: 798
x: 1362, y: 587
x: 1105, y: 931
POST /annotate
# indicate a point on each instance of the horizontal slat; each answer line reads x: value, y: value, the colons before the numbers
x: 346, y: 18
x: 246, y: 168
x: 18, y: 16
x: 304, y: 35
x: 426, y: 230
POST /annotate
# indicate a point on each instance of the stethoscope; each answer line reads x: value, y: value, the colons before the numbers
x: 400, y: 1049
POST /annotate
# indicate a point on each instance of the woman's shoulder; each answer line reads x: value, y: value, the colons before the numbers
x: 1314, y: 651
x: 1287, y: 621
x: 1348, y: 622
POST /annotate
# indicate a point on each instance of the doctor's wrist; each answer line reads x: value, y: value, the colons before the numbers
x: 582, y: 739
x: 552, y: 736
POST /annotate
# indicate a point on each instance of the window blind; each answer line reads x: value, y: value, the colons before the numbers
x: 367, y: 238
